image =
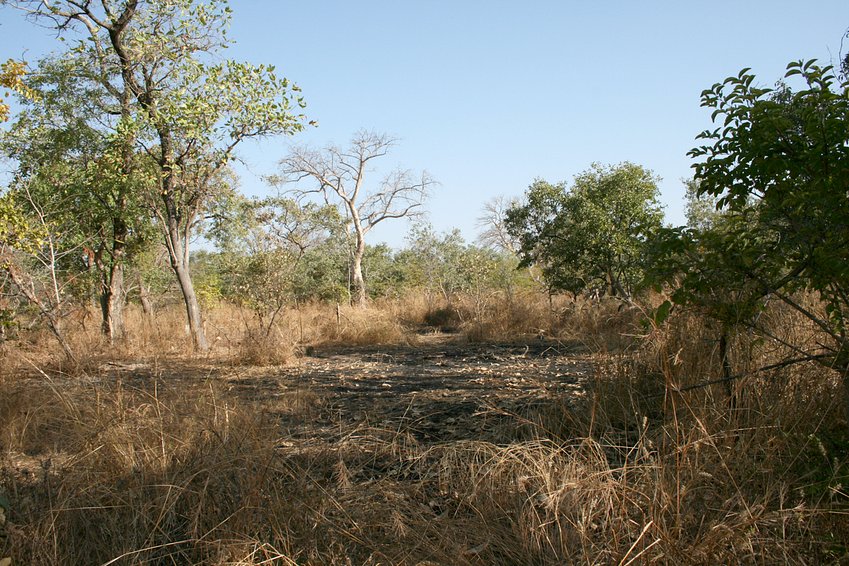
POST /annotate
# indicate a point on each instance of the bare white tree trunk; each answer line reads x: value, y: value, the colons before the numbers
x: 341, y: 175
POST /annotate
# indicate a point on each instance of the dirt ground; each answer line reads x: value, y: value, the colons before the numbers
x: 441, y: 389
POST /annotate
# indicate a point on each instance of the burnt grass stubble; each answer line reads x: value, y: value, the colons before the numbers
x: 441, y: 389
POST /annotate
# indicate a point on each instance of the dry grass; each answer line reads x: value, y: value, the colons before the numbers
x: 171, y: 470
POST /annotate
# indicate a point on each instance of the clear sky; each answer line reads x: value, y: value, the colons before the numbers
x: 487, y: 95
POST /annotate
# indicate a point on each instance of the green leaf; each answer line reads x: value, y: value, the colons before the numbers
x: 662, y: 313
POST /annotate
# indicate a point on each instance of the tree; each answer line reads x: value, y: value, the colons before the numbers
x: 158, y: 65
x: 779, y: 166
x: 594, y: 234
x: 263, y: 248
x: 492, y: 224
x: 32, y: 256
x: 701, y: 209
x: 60, y: 146
x: 433, y: 261
x: 340, y: 175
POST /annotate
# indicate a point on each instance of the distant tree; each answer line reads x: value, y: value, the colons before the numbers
x: 383, y: 271
x: 340, y: 175
x: 701, y: 209
x: 594, y: 234
x: 449, y: 269
x: 260, y: 266
x: 492, y: 224
x: 433, y: 261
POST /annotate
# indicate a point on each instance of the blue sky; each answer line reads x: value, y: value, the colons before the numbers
x: 488, y: 95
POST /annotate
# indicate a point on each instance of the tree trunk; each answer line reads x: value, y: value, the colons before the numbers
x: 726, y: 369
x: 144, y: 297
x: 178, y: 254
x: 611, y: 283
x: 177, y: 240
x: 112, y: 302
x: 112, y: 281
x: 358, y: 285
x: 56, y: 327
x: 192, y: 308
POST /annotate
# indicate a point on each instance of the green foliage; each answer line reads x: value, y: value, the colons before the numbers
x: 445, y: 265
x: 701, y: 209
x: 322, y: 274
x: 275, y: 251
x: 779, y: 167
x: 65, y: 156
x: 18, y: 231
x: 594, y: 234
x: 383, y: 272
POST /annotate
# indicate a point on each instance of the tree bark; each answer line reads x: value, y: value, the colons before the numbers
x: 112, y: 303
x: 358, y: 285
x: 112, y: 285
x: 177, y: 251
x: 144, y: 297
x: 177, y: 239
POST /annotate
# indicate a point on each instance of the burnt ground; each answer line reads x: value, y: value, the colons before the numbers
x: 441, y: 389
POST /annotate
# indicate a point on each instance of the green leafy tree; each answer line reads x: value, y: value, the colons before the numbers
x: 445, y: 266
x: 61, y: 148
x: 322, y: 273
x: 594, y: 234
x: 383, y: 272
x: 159, y: 63
x: 779, y: 166
x: 261, y: 263
x: 701, y: 209
x: 433, y: 262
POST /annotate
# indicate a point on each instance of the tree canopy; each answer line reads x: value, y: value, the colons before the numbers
x: 592, y: 234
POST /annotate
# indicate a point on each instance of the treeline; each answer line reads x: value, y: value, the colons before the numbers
x: 442, y: 266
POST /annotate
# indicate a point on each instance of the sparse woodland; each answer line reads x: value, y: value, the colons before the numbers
x: 583, y: 384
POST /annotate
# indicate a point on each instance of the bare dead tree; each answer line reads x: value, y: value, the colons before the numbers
x: 493, y: 228
x: 339, y: 175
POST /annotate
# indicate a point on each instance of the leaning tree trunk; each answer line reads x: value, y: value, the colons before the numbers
x: 178, y: 254
x: 50, y: 312
x: 177, y: 240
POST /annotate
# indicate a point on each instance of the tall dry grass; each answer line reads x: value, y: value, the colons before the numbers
x: 165, y: 469
x: 239, y: 335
